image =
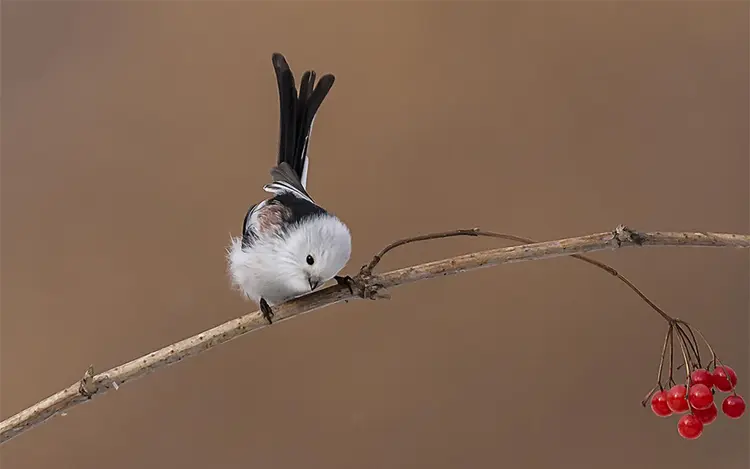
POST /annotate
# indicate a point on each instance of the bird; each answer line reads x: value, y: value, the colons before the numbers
x: 289, y: 245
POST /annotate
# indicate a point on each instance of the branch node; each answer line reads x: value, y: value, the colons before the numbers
x: 624, y: 235
x: 361, y: 286
x: 86, y: 387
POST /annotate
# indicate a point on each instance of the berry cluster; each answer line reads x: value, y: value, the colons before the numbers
x: 699, y: 400
x: 695, y: 399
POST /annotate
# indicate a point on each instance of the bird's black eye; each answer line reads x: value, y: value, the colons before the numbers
x: 310, y: 260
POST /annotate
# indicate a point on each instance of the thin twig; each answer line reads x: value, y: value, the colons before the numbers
x: 114, y: 378
x: 671, y: 382
x: 683, y: 348
x: 692, y: 349
x: 413, y: 239
x: 658, y: 384
x: 697, y: 346
x: 667, y: 342
x: 708, y: 345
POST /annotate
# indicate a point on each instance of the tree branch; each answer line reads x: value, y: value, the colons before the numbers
x: 364, y: 285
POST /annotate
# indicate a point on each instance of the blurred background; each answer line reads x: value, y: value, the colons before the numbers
x: 137, y: 134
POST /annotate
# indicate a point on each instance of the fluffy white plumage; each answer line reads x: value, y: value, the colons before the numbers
x: 289, y: 245
x: 275, y: 267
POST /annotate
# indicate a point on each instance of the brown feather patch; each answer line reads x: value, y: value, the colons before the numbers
x: 271, y: 217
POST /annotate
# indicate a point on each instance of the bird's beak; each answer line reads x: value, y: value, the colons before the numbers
x: 314, y: 282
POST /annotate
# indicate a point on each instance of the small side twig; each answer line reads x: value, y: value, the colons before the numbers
x: 367, y: 269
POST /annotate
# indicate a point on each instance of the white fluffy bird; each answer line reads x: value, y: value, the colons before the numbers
x: 289, y: 244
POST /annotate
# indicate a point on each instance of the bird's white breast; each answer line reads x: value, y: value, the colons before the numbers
x: 261, y: 271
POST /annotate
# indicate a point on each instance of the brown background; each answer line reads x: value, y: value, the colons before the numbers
x: 136, y: 135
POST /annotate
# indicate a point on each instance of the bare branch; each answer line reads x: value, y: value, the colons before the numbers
x: 365, y: 285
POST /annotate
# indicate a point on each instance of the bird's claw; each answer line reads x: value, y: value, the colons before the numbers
x: 266, y: 311
x: 361, y: 286
x: 346, y: 281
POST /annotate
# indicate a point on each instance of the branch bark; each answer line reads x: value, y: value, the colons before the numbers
x: 364, y: 285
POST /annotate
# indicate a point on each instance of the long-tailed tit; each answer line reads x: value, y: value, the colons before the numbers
x: 289, y: 244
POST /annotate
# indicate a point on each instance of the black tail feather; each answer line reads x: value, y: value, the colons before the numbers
x: 297, y: 112
x: 287, y: 112
x: 305, y: 91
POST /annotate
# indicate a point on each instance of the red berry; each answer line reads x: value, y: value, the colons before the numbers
x: 676, y: 399
x: 720, y: 378
x: 659, y: 404
x: 690, y: 427
x: 701, y: 376
x: 733, y: 407
x: 700, y: 397
x: 707, y: 416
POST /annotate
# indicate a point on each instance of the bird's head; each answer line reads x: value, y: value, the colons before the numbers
x: 317, y: 248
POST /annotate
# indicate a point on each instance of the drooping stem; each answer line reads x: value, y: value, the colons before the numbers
x: 691, y: 348
x: 667, y: 341
x: 686, y: 359
x: 696, y: 346
x: 708, y: 345
x: 671, y: 359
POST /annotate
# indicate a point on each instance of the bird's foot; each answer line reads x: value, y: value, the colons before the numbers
x: 346, y: 281
x: 266, y: 311
x: 363, y: 287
